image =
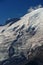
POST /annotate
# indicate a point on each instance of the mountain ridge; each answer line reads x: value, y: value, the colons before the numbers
x: 20, y: 39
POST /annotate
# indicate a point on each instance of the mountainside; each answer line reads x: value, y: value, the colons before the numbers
x: 22, y: 39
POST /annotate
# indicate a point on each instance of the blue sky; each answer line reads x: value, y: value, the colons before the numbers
x: 16, y: 8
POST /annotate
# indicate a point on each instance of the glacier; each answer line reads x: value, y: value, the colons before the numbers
x: 22, y: 38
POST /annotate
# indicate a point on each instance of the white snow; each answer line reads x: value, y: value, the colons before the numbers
x: 26, y: 41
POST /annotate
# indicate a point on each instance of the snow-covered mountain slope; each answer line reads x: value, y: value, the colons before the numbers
x: 23, y: 36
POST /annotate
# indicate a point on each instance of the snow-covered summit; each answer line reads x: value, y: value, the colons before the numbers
x: 22, y: 36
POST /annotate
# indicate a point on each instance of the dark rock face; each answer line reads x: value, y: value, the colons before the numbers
x: 14, y: 60
x: 37, y: 60
x: 13, y: 20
